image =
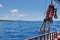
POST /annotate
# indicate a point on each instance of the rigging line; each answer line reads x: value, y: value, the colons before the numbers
x: 51, y: 2
x: 55, y: 4
x: 45, y: 4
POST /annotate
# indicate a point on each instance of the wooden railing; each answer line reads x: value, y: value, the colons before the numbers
x: 50, y: 36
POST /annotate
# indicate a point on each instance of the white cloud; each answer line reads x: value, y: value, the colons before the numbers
x: 20, y: 15
x: 14, y: 10
x: 14, y: 15
x: 1, y: 5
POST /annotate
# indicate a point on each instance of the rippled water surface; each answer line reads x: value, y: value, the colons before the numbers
x: 20, y: 30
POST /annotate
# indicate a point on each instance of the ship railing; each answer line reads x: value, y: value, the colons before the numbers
x: 49, y: 36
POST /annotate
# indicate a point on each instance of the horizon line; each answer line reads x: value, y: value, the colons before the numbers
x: 22, y: 20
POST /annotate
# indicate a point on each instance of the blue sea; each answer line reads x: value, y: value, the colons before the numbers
x: 21, y: 30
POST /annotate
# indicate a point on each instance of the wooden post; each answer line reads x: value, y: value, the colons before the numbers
x: 36, y: 38
x: 56, y: 34
x: 59, y: 32
x: 44, y: 37
x: 29, y: 39
x: 52, y: 36
x: 40, y: 37
x: 47, y: 36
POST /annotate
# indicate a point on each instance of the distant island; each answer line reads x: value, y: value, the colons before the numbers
x: 7, y: 20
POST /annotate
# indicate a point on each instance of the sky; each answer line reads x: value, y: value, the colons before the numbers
x: 29, y: 10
